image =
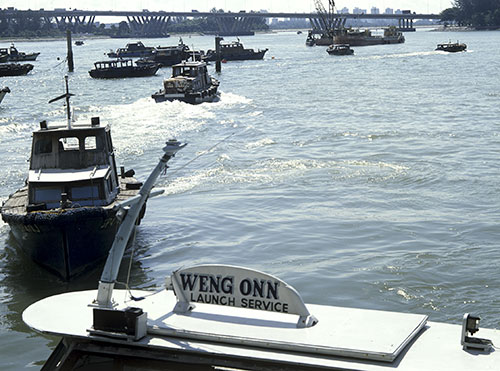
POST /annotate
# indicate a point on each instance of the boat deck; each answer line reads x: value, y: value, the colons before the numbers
x: 435, y: 347
x: 18, y: 201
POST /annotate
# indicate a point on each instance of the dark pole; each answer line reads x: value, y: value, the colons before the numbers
x: 217, y: 53
x: 71, y: 66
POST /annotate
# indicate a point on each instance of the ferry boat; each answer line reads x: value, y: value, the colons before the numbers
x: 65, y: 217
x: 120, y: 68
x: 234, y: 51
x: 340, y: 49
x: 15, y: 69
x: 227, y: 317
x: 452, y: 47
x: 190, y: 83
x: 357, y: 37
x: 3, y: 91
x: 16, y: 56
x: 133, y: 50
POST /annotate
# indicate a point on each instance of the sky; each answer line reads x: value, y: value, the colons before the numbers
x: 419, y: 6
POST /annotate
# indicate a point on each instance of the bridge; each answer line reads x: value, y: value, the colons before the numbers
x: 146, y: 23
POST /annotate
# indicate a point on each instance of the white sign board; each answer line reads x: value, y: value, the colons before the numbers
x: 237, y: 287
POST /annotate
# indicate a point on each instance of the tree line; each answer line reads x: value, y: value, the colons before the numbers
x: 30, y: 25
x: 475, y: 13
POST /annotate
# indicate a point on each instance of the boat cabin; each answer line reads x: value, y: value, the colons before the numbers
x: 72, y: 166
x: 118, y: 63
x: 189, y: 69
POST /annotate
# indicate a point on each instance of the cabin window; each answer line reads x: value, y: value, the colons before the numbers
x: 84, y: 193
x: 94, y: 143
x: 69, y: 144
x: 43, y: 146
x: 46, y: 195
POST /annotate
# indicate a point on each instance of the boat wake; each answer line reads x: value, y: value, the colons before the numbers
x: 276, y: 171
x: 402, y: 55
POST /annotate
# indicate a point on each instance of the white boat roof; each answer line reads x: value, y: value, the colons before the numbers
x: 83, y: 125
x: 190, y: 64
x: 66, y: 175
x: 342, y: 339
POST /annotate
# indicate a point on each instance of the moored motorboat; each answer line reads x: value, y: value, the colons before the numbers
x: 15, y: 69
x: 65, y: 217
x: 16, y: 56
x: 452, y: 47
x: 340, y: 49
x: 120, y: 68
x: 133, y: 50
x: 234, y: 51
x: 3, y: 91
x: 190, y: 83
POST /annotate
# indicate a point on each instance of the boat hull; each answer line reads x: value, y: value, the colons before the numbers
x: 23, y: 57
x: 368, y: 40
x: 69, y: 243
x: 122, y: 72
x: 238, y: 57
x: 13, y: 69
x: 209, y: 95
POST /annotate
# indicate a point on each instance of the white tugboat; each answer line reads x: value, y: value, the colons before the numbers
x: 238, y: 318
x: 190, y: 83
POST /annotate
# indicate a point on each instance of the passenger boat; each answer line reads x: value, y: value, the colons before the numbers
x: 133, y: 50
x: 452, y: 47
x: 357, y: 37
x: 15, y: 69
x: 227, y: 317
x: 16, y: 56
x: 190, y: 83
x: 3, y: 91
x: 122, y: 68
x: 65, y: 217
x: 234, y: 51
x: 340, y: 49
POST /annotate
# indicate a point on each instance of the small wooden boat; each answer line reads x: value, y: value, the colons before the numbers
x: 3, y: 91
x: 64, y: 218
x: 234, y: 51
x: 452, y: 47
x: 133, y: 50
x: 190, y: 83
x: 122, y: 68
x: 15, y: 69
x: 340, y: 49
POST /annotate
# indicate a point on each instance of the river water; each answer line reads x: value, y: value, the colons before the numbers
x: 367, y: 181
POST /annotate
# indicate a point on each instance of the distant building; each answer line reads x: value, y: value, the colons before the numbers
x: 344, y: 10
x: 389, y: 11
x: 398, y: 11
x: 357, y: 10
x: 375, y: 10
